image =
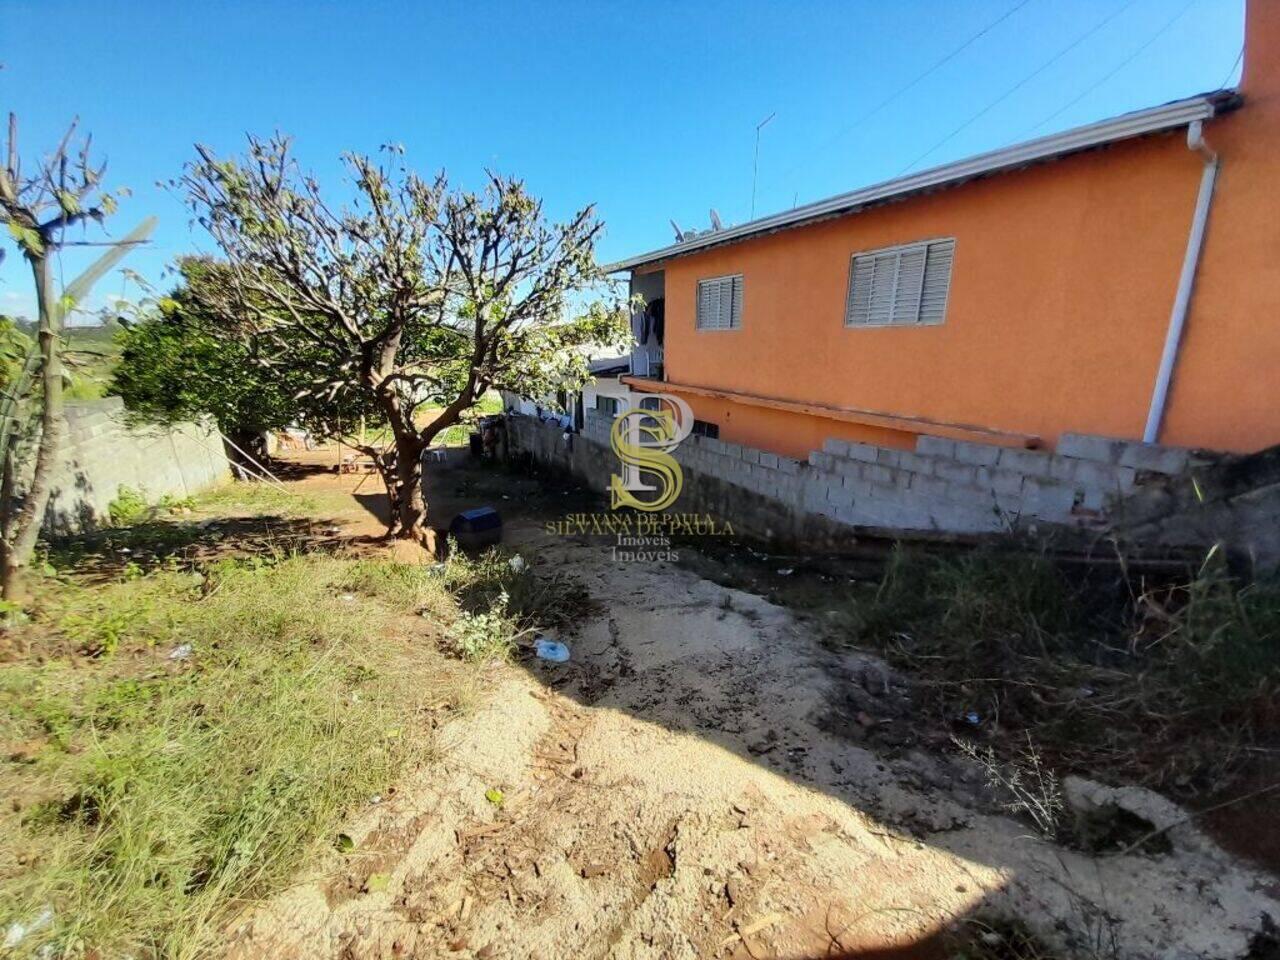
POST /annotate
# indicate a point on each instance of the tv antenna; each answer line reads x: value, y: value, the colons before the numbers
x: 755, y: 167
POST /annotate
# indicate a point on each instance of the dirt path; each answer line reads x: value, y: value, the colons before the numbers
x: 703, y: 780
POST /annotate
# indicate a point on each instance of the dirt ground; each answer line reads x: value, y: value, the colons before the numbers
x: 703, y: 779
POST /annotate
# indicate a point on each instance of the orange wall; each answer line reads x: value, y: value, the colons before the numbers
x: 791, y: 434
x: 1062, y: 284
x: 1226, y: 387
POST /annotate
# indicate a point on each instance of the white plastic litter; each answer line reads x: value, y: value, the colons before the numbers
x: 18, y: 931
x: 181, y: 652
x: 552, y: 650
x: 516, y: 563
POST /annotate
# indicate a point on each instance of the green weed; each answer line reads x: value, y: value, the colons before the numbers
x: 244, y: 709
x: 129, y: 507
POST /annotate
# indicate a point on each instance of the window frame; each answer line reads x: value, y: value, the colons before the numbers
x: 708, y: 429
x: 899, y: 249
x: 697, y: 303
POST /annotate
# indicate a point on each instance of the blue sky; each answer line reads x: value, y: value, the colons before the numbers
x: 648, y: 110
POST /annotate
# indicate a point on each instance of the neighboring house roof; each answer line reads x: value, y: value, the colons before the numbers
x: 1170, y: 116
x: 609, y: 366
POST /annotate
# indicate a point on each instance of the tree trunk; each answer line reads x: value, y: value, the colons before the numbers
x: 408, y: 502
x: 26, y: 527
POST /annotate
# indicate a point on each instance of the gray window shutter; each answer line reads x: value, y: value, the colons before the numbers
x: 937, y: 281
x: 901, y: 286
x: 884, y: 280
x: 859, y: 304
x: 906, y: 296
x: 707, y: 297
x: 720, y: 303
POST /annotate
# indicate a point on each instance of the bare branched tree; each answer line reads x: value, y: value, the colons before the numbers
x: 64, y: 189
x: 420, y: 297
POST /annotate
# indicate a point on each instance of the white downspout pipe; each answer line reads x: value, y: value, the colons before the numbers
x: 1190, y: 262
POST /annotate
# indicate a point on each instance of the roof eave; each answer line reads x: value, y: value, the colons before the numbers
x: 1169, y: 116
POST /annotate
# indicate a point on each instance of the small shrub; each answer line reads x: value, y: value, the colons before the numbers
x: 490, y: 635
x: 171, y: 503
x: 99, y: 633
x: 129, y: 507
x: 533, y: 600
x: 1027, y: 787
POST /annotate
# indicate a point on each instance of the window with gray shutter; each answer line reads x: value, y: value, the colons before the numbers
x: 720, y: 303
x: 904, y: 285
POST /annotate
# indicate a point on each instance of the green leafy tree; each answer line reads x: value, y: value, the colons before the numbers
x: 37, y: 209
x: 178, y: 362
x: 412, y: 297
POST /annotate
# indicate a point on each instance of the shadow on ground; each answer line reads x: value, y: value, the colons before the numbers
x: 109, y: 553
x: 917, y: 831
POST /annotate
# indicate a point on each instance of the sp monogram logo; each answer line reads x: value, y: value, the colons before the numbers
x: 643, y: 440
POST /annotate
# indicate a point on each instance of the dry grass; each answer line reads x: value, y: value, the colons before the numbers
x: 1166, y: 683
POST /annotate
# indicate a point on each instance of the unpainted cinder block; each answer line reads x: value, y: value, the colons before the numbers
x: 1155, y: 459
x: 1027, y: 462
x: 928, y: 487
x: 866, y: 452
x: 954, y: 472
x: 877, y: 473
x: 935, y: 446
x: 1049, y: 499
x: 977, y: 454
x: 1084, y: 446
x: 1004, y: 482
x: 916, y: 462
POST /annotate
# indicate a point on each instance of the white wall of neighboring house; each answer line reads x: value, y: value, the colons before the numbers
x: 604, y: 387
x: 547, y: 409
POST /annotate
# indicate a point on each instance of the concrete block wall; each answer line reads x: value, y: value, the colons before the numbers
x: 942, y: 487
x: 965, y: 487
x: 103, y: 454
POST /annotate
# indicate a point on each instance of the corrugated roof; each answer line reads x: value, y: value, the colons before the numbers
x: 1169, y: 116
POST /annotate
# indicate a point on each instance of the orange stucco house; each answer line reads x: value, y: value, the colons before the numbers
x: 1120, y: 279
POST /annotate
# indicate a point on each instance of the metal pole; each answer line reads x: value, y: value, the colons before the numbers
x: 755, y: 168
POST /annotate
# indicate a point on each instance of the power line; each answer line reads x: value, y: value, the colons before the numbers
x: 1021, y: 83
x: 1120, y: 66
x: 1231, y: 72
x: 904, y: 88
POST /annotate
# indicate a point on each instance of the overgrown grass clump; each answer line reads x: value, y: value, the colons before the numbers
x: 503, y: 601
x: 200, y: 736
x: 1168, y: 680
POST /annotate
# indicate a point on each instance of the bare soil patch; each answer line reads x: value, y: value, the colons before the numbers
x: 705, y: 778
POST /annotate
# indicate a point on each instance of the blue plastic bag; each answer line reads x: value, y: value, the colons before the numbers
x: 551, y: 650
